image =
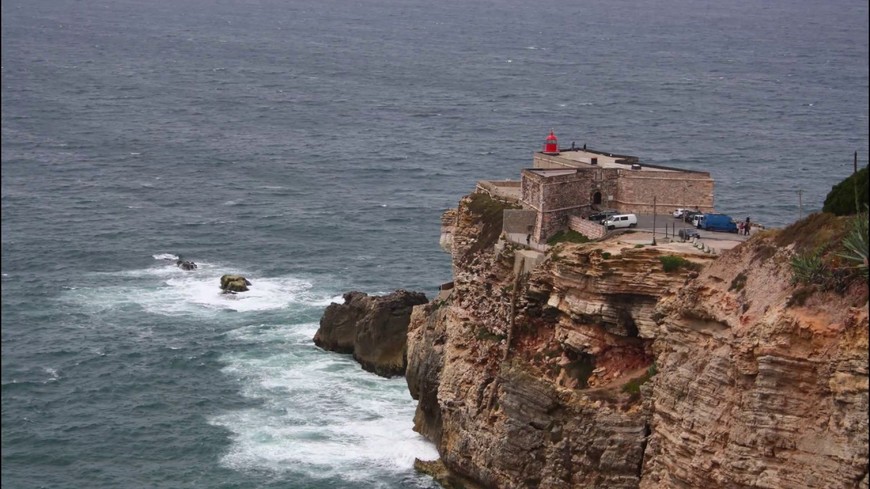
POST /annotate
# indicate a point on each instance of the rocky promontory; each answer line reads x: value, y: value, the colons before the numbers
x: 372, y: 328
x: 620, y: 365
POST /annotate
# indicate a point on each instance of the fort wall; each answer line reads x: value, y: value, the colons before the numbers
x: 636, y: 191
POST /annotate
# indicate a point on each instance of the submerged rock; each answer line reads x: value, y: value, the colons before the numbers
x: 373, y: 328
x: 234, y: 283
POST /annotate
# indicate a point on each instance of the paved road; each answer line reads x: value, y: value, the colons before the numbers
x: 662, y: 221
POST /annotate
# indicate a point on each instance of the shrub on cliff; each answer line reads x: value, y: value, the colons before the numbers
x: 841, y: 198
x: 838, y: 255
x: 855, y: 243
x: 672, y: 263
x: 489, y: 213
x: 569, y: 236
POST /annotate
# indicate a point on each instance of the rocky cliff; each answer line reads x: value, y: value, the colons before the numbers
x: 621, y: 365
x: 372, y: 328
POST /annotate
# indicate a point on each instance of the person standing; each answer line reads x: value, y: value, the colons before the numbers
x: 746, y: 226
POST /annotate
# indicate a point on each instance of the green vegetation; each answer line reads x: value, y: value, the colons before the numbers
x: 738, y: 283
x: 633, y: 386
x: 490, y: 213
x: 841, y: 199
x: 638, y: 246
x: 484, y: 334
x: 606, y: 255
x: 830, y: 252
x: 672, y: 263
x: 856, y: 243
x: 836, y: 262
x: 809, y: 268
x: 569, y: 236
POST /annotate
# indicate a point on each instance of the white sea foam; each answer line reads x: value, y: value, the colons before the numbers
x: 165, y: 256
x: 53, y: 376
x: 169, y: 290
x: 321, y: 414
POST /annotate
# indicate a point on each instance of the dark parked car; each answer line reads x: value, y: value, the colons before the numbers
x: 688, y: 215
x: 687, y: 234
x: 600, y: 216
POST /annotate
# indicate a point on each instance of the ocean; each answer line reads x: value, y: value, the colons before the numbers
x: 312, y: 146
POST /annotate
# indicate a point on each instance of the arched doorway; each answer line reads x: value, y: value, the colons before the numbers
x: 596, y: 198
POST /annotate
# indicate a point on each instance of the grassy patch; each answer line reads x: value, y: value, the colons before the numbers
x: 569, y: 236
x: 638, y: 246
x: 672, y: 263
x: 633, y: 386
x: 738, y: 283
x: 489, y: 213
x: 819, y: 230
x: 606, y: 255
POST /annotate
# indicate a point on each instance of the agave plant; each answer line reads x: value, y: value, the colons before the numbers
x: 856, y: 242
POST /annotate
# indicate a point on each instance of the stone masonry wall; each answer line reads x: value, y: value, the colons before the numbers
x: 671, y: 190
x: 559, y: 197
x: 591, y: 230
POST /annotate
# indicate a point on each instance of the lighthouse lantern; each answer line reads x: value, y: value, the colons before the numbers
x: 551, y: 145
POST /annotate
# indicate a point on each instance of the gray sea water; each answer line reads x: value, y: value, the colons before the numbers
x: 312, y: 146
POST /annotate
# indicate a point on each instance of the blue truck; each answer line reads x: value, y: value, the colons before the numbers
x: 718, y: 222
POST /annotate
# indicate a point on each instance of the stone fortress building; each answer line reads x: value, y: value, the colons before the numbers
x: 565, y: 185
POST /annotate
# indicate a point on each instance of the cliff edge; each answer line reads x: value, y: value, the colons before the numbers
x: 621, y: 365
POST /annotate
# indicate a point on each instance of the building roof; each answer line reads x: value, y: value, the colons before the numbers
x: 581, y: 158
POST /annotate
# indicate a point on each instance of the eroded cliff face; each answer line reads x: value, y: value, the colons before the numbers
x: 753, y: 389
x: 600, y: 369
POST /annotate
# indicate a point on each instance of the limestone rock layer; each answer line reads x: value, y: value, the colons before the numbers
x: 601, y: 369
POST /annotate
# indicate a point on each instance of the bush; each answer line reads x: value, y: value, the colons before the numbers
x: 672, y: 263
x: 808, y: 269
x: 841, y: 198
x: 856, y: 243
x: 490, y: 213
x: 738, y: 283
x: 569, y: 236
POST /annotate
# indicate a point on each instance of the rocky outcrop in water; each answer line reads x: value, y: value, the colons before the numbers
x: 234, y: 283
x: 602, y: 369
x: 373, y: 328
x: 185, y: 265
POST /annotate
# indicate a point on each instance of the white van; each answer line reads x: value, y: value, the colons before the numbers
x: 621, y: 221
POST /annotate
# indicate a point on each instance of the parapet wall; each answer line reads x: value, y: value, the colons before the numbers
x: 587, y: 228
x: 670, y: 190
x: 508, y: 190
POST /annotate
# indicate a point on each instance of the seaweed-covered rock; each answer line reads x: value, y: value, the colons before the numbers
x: 234, y: 283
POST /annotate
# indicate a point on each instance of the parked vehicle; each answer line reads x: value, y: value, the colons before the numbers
x: 687, y: 234
x: 679, y: 212
x: 718, y: 222
x: 698, y: 220
x: 621, y: 221
x: 601, y: 216
x: 688, y: 215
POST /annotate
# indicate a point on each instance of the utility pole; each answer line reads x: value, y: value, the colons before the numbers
x: 654, y: 221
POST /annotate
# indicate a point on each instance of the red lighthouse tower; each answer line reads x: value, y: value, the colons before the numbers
x: 551, y: 145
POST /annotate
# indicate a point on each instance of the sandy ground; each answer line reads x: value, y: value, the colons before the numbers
x: 716, y: 244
